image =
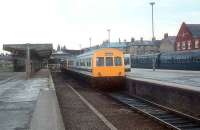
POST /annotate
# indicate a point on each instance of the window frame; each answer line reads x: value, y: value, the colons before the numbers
x: 196, y: 43
x: 106, y: 63
x: 183, y: 45
x: 189, y: 44
x: 100, y: 65
x: 120, y: 58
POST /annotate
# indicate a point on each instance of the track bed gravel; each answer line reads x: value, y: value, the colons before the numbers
x: 77, y: 115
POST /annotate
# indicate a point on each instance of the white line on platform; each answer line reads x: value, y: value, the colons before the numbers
x: 103, y: 118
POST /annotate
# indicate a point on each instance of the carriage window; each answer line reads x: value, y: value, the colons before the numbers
x: 109, y: 61
x: 118, y: 61
x: 100, y: 61
x: 89, y: 61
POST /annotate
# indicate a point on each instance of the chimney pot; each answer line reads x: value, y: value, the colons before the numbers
x: 165, y: 35
x: 141, y: 39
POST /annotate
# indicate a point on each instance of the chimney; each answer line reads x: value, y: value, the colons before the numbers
x: 154, y: 38
x: 132, y: 39
x: 165, y: 35
x: 141, y: 39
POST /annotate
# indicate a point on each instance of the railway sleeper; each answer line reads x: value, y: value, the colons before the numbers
x: 179, y: 121
x: 154, y: 112
x: 194, y: 128
x: 168, y: 115
x: 191, y: 125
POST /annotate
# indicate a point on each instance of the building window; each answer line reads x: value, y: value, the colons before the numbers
x: 196, y: 43
x: 189, y: 44
x: 178, y: 46
x: 183, y: 45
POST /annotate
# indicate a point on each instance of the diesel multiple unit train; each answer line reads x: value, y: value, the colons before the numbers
x: 172, y: 60
x: 103, y: 68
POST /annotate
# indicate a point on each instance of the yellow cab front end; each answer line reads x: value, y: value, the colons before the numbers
x: 108, y: 62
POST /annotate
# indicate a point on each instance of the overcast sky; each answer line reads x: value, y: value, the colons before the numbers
x: 72, y: 22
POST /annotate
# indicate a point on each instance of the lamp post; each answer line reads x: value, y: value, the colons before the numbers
x: 152, y: 4
x: 153, y: 37
x: 80, y: 48
x: 108, y: 37
x: 90, y: 42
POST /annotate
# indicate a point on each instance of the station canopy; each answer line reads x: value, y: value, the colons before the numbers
x: 41, y: 50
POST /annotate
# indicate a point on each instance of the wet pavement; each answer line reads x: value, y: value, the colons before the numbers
x: 18, y: 98
x: 180, y: 77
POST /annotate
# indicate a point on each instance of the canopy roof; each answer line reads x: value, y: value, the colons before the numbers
x: 41, y: 50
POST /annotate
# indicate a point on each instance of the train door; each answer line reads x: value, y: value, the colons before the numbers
x: 127, y: 62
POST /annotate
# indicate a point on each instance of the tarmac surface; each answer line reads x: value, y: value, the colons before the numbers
x: 18, y: 98
x: 177, y: 78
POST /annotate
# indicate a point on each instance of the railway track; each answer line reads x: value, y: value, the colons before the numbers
x: 166, y: 116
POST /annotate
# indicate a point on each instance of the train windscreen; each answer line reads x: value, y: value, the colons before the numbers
x: 109, y: 61
x: 118, y: 61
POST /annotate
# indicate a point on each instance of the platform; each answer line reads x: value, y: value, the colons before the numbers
x: 20, y: 101
x: 175, y: 78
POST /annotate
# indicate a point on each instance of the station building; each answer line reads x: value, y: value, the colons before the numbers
x: 6, y: 63
x: 188, y: 37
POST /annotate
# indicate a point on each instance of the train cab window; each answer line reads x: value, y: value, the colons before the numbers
x: 118, y: 61
x: 100, y: 61
x: 109, y: 61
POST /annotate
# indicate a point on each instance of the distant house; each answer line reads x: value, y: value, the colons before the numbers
x: 65, y: 53
x: 143, y: 47
x: 123, y: 46
x: 168, y: 43
x: 188, y: 37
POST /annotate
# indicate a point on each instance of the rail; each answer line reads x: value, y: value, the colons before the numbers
x: 168, y: 117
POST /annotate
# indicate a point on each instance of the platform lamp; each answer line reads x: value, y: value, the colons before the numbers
x: 153, y: 37
x: 152, y: 4
x: 108, y: 37
x: 90, y: 42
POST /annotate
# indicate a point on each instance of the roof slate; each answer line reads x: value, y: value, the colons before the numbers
x: 194, y: 29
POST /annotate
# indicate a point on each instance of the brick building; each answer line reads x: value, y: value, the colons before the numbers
x: 188, y: 37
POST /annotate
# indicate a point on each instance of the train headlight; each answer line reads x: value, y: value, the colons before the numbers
x: 99, y: 73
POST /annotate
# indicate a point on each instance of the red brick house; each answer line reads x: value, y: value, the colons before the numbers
x: 188, y: 37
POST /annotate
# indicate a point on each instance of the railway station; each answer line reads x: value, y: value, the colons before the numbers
x: 99, y: 65
x: 78, y: 96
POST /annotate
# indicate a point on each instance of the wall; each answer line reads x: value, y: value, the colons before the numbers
x: 166, y: 46
x: 180, y: 99
x: 6, y: 66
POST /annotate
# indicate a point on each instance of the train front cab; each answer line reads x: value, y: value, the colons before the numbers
x: 108, y: 68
